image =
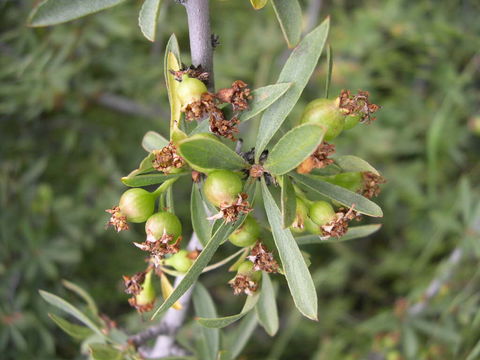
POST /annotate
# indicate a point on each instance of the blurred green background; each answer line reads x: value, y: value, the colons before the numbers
x: 76, y: 99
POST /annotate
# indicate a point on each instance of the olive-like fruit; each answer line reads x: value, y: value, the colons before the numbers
x: 137, y: 204
x: 190, y: 90
x: 326, y: 113
x: 247, y: 234
x: 147, y: 294
x: 161, y: 223
x: 246, y: 268
x: 311, y: 227
x: 180, y: 261
x: 222, y: 186
x: 321, y: 212
x: 351, y: 121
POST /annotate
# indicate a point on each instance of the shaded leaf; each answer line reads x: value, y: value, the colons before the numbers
x: 83, y: 294
x: 74, y: 330
x: 204, y: 306
x: 298, y: 277
x: 297, y: 70
x: 266, y: 307
x: 329, y: 70
x: 148, y: 17
x: 69, y: 309
x: 221, y: 322
x: 149, y: 179
x: 105, y: 352
x: 242, y: 334
x: 210, y: 153
x: 201, y: 226
x: 294, y: 147
x: 343, y: 196
x: 350, y: 163
x: 354, y: 232
x: 289, y: 15
x: 52, y: 12
x: 288, y: 202
x: 153, y: 141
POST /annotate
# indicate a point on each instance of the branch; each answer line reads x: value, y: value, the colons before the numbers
x: 125, y: 105
x: 436, y: 284
x: 201, y: 48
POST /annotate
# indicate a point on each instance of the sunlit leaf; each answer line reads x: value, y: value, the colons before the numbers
x: 200, y: 224
x: 172, y: 62
x: 147, y: 19
x: 153, y: 141
x: 354, y: 232
x: 148, y: 179
x: 350, y: 163
x: 74, y: 330
x: 289, y: 16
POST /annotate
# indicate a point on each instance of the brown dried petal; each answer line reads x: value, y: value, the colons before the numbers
x: 262, y: 259
x: 158, y: 248
x: 238, y: 95
x: 117, y: 220
x: 133, y: 284
x: 199, y: 109
x: 319, y: 159
x: 371, y: 184
x: 243, y: 283
x: 358, y: 105
x: 230, y: 212
x: 167, y: 159
x: 339, y: 225
x: 221, y: 126
x: 256, y: 171
x: 141, y: 308
x: 192, y: 71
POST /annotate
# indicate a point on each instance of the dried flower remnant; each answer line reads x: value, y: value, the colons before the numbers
x: 197, y: 110
x: 221, y: 126
x: 141, y: 308
x: 158, y: 248
x: 192, y: 71
x: 358, y: 105
x: 262, y: 259
x: 256, y: 171
x: 133, y: 284
x: 230, y: 212
x: 117, y: 220
x: 339, y: 225
x: 318, y: 160
x: 196, y: 176
x: 371, y: 184
x: 237, y: 95
x: 167, y: 159
x: 243, y: 283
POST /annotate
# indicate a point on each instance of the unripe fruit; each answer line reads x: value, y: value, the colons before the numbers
x: 247, y: 234
x: 301, y: 213
x: 326, y: 113
x: 137, y: 205
x: 190, y: 90
x: 163, y: 223
x: 222, y: 186
x: 147, y: 295
x: 246, y: 268
x: 351, y: 121
x: 321, y: 212
x: 311, y: 227
x: 352, y: 181
x: 180, y: 261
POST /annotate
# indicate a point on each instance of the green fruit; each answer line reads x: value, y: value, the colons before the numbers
x: 351, y: 121
x: 246, y: 268
x: 180, y: 261
x: 137, y: 205
x: 311, y: 227
x: 326, y: 113
x: 147, y: 295
x: 247, y: 234
x: 222, y: 186
x: 321, y: 212
x: 163, y: 223
x: 190, y: 90
x: 301, y: 214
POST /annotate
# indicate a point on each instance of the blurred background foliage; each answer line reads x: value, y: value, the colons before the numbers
x: 76, y: 99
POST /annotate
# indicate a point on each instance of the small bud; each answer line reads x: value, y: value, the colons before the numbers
x: 180, y: 261
x: 144, y: 300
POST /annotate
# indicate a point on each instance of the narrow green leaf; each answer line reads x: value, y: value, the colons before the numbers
x: 328, y: 80
x: 288, y: 202
x: 83, y: 294
x: 149, y: 179
x: 298, y: 277
x: 148, y: 17
x: 221, y: 322
x: 205, y: 256
x: 258, y: 4
x: 53, y: 12
x: 172, y: 62
x: 354, y: 232
x: 343, y: 196
x: 153, y: 141
x: 69, y: 309
x: 74, y: 330
x: 289, y: 15
x: 435, y: 330
x: 475, y: 353
x: 204, y: 306
x: 144, y: 167
x: 242, y: 334
x: 209, y: 153
x: 297, y: 70
x: 350, y: 163
x: 201, y: 226
x: 105, y: 352
x: 294, y: 147
x: 266, y: 308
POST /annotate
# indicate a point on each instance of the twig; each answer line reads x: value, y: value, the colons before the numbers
x: 436, y: 284
x: 127, y: 106
x: 313, y: 12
